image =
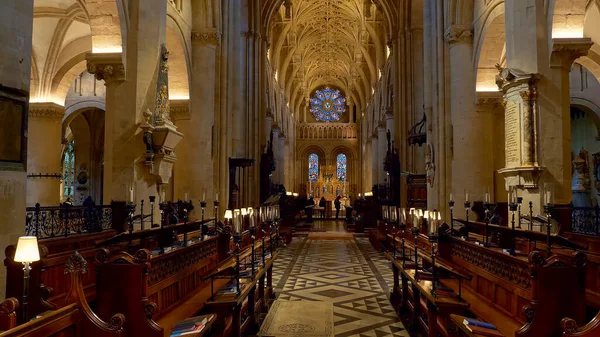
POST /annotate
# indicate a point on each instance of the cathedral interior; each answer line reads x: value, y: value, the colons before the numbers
x: 285, y: 168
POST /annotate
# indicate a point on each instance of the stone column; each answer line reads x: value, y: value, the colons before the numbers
x: 203, y: 139
x: 278, y: 163
x: 15, y: 74
x: 389, y: 121
x: 44, y: 153
x: 374, y: 161
x: 381, y: 152
x: 180, y: 115
x: 280, y: 158
x: 109, y: 68
x: 471, y: 172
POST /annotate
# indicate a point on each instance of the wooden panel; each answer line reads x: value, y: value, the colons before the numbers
x: 485, y: 288
x: 503, y: 298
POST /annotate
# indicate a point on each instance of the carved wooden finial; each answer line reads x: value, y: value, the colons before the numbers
x: 76, y: 264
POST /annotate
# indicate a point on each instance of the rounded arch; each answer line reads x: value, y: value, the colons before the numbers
x: 490, y: 46
x: 179, y: 60
x: 590, y: 108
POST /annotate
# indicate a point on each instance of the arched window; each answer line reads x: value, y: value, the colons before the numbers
x: 68, y: 170
x: 313, y: 167
x: 341, y: 167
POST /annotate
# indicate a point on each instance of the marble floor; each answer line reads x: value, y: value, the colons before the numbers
x: 347, y: 273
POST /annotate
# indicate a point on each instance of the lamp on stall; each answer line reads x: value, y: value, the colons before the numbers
x: 27, y: 252
x: 237, y: 239
x: 228, y: 216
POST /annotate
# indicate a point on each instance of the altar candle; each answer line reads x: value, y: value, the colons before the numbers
x: 131, y: 193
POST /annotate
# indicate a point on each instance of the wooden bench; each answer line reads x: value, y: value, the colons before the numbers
x: 75, y: 319
x: 521, y: 295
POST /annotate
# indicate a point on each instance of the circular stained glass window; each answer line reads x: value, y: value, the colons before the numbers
x: 327, y: 105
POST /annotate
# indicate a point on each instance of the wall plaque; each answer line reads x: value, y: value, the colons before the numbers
x: 13, y: 129
x: 512, y: 133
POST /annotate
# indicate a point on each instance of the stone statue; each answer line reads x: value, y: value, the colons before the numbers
x: 580, y: 182
x: 430, y: 164
x: 162, y: 113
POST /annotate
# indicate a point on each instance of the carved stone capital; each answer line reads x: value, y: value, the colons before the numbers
x: 488, y: 101
x: 389, y: 113
x: 269, y: 113
x: 566, y: 50
x: 106, y: 66
x: 381, y: 126
x: 206, y: 37
x: 457, y: 34
x: 46, y: 110
x: 180, y: 109
x: 528, y: 95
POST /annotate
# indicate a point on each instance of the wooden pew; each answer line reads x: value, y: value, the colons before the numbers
x: 155, y: 292
x: 76, y: 319
x: 8, y: 315
x: 521, y: 295
x: 48, y: 283
x: 571, y: 328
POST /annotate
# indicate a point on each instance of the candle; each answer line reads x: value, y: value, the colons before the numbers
x: 131, y: 194
x: 163, y: 196
x: 451, y: 197
x: 487, y: 197
x: 237, y: 220
x: 185, y: 197
x: 466, y: 196
x: 217, y: 197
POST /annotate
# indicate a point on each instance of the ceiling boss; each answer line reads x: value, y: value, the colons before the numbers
x: 327, y: 105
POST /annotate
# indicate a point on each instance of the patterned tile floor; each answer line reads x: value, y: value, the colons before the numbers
x: 348, y: 273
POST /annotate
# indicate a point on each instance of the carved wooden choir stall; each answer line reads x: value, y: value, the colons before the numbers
x: 165, y: 274
x: 442, y: 277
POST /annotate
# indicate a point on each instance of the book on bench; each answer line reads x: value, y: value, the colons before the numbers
x: 481, y: 328
x: 189, y: 326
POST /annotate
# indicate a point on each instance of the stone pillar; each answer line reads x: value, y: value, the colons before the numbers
x: 180, y: 115
x: 471, y: 172
x: 381, y: 152
x: 109, y: 68
x: 15, y: 73
x: 374, y: 161
x: 280, y: 155
x: 278, y: 163
x: 389, y: 122
x: 203, y: 139
x: 44, y: 153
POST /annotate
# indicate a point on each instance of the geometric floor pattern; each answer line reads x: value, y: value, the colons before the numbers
x: 347, y: 273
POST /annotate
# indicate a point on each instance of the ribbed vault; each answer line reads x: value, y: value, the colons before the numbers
x: 315, y: 43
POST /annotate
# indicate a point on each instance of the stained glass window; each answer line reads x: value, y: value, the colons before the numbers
x: 313, y: 167
x: 327, y: 105
x: 68, y: 170
x: 341, y: 167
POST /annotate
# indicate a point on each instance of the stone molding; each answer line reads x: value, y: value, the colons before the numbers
x: 46, y: 110
x: 207, y: 37
x: 488, y: 101
x: 106, y: 66
x: 457, y: 34
x: 180, y: 109
x: 566, y: 50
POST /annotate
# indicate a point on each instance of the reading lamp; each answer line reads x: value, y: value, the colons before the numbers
x: 27, y: 252
x: 228, y: 216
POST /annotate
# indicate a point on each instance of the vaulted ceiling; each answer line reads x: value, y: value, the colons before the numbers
x: 315, y: 43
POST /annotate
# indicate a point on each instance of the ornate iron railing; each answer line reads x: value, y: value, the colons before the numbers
x: 586, y: 220
x: 53, y: 221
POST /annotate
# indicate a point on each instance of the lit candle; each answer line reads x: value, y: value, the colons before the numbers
x: 466, y: 196
x: 185, y: 197
x: 451, y: 197
x: 131, y: 193
x: 217, y: 197
x: 203, y: 196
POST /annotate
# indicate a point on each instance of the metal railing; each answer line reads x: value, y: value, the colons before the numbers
x: 54, y: 221
x: 586, y: 220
